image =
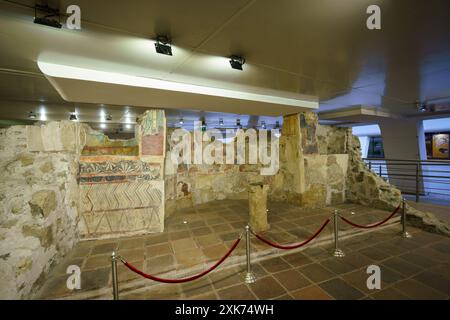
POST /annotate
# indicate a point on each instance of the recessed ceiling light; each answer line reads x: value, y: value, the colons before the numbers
x: 237, y: 62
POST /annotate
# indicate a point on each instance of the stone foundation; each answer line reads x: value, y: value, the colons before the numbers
x: 38, y: 203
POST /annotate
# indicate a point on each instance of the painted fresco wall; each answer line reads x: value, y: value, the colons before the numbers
x: 122, y: 181
x: 313, y: 170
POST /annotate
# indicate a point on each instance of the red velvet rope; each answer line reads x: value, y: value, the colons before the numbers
x: 270, y: 243
x: 148, y: 276
x: 371, y: 225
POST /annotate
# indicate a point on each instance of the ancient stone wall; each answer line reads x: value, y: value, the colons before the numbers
x: 364, y: 186
x: 190, y: 184
x: 313, y: 162
x: 314, y: 178
x: 38, y: 203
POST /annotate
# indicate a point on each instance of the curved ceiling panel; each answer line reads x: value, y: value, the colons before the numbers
x: 83, y: 85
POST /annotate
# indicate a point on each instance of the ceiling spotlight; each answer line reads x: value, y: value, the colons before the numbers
x: 108, y: 117
x: 45, y: 18
x: 263, y: 125
x: 32, y: 115
x: 73, y: 117
x: 237, y: 62
x: 220, y: 122
x: 181, y: 121
x: 238, y: 123
x: 163, y: 45
x: 103, y: 125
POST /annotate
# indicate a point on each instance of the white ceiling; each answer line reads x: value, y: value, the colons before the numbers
x: 320, y: 48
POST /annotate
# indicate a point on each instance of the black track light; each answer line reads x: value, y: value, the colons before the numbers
x: 73, y: 117
x: 32, y: 115
x: 238, y: 123
x: 237, y: 62
x: 204, y: 126
x: 44, y: 15
x: 163, y: 45
x: 263, y: 125
x: 221, y: 122
x: 108, y: 117
x: 181, y: 121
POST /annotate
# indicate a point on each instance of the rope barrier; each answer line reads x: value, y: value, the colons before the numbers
x: 371, y: 225
x: 154, y: 278
x: 279, y: 246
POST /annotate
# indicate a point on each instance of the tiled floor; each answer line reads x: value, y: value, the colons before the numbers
x: 201, y: 235
x: 417, y: 268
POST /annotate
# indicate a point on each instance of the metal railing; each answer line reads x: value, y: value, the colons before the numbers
x: 416, y: 177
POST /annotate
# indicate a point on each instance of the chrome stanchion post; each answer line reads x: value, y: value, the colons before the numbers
x: 115, y: 282
x: 249, y: 276
x: 405, y: 234
x: 338, y: 253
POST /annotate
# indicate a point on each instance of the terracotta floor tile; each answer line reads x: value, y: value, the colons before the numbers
x: 311, y: 293
x: 215, y: 251
x: 183, y: 245
x: 160, y: 264
x: 291, y: 279
x: 389, y: 294
x: 275, y: 264
x: 208, y: 240
x: 417, y: 290
x: 297, y: 259
x: 267, y: 288
x: 190, y: 257
x: 316, y: 272
x: 341, y: 290
x: 435, y: 281
x: 158, y: 250
x: 237, y: 292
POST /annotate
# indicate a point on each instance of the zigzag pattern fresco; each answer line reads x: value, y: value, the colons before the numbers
x: 122, y: 207
x: 114, y: 196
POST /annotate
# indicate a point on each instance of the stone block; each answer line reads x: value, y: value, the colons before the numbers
x: 257, y: 198
x: 44, y: 234
x: 43, y: 202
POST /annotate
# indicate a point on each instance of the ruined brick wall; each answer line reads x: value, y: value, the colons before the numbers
x: 38, y: 203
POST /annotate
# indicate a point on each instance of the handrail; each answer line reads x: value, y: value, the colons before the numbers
x: 419, y: 177
x: 407, y: 160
